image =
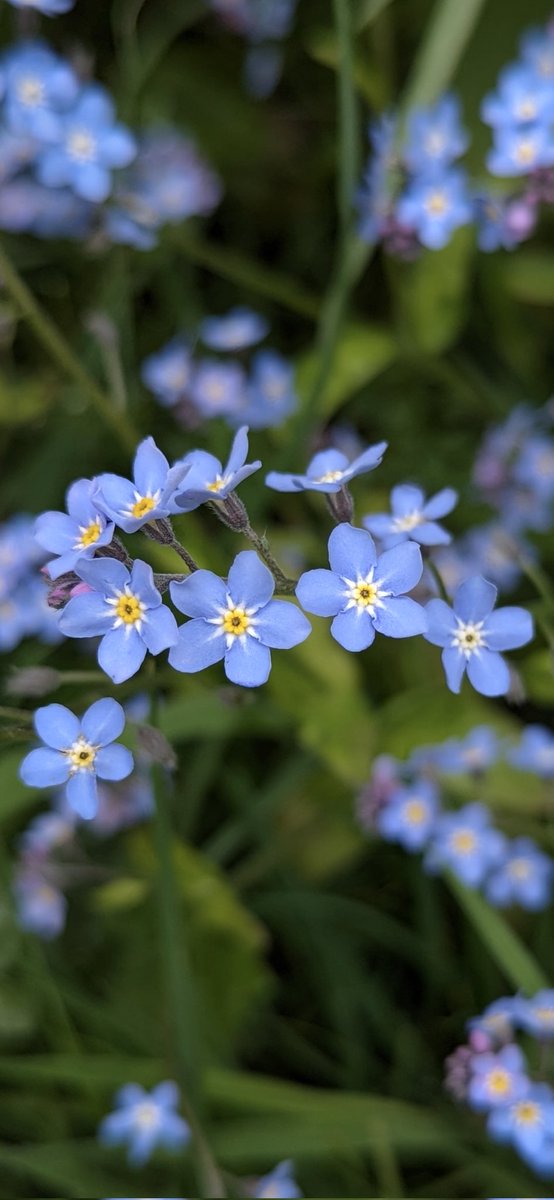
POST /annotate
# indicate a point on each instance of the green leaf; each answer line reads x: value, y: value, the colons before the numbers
x: 431, y: 295
x: 23, y: 401
x: 504, y: 946
x: 363, y: 352
x: 15, y: 798
x: 446, y: 36
x: 529, y: 277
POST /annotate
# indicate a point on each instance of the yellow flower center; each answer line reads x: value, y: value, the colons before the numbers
x: 89, y: 534
x: 81, y: 755
x: 218, y: 483
x: 365, y: 594
x: 129, y: 608
x: 415, y: 812
x: 464, y: 841
x: 519, y: 868
x: 143, y: 505
x: 30, y: 91
x: 436, y: 204
x: 236, y: 621
x: 525, y: 152
x: 545, y: 1015
x: 468, y: 637
x: 527, y: 1113
x: 330, y: 477
x: 527, y: 110
x: 81, y: 145
x: 499, y: 1082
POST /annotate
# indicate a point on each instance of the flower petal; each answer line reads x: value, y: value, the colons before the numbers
x: 160, y: 631
x: 405, y: 498
x: 352, y: 552
x: 441, y: 623
x: 150, y: 467
x: 120, y: 654
x: 105, y: 575
x: 400, y: 568
x: 199, y: 646
x: 56, y: 532
x: 441, y: 504
x: 454, y: 664
x: 103, y: 722
x: 114, y: 762
x: 202, y: 594
x: 379, y: 524
x: 353, y: 629
x: 474, y: 599
x: 142, y: 582
x: 321, y: 592
x: 400, y: 618
x: 57, y: 726
x: 431, y: 534
x: 250, y: 582
x: 239, y: 451
x: 488, y: 673
x: 247, y: 663
x: 44, y: 768
x: 86, y: 616
x: 508, y: 628
x: 281, y: 625
x: 81, y: 794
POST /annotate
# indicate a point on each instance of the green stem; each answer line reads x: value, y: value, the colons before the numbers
x: 61, y: 352
x: 283, y: 584
x: 438, y: 579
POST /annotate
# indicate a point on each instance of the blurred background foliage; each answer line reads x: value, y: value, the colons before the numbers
x: 329, y: 976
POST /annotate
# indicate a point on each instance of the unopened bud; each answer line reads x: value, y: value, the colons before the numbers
x: 341, y: 505
x: 231, y: 512
x: 152, y: 744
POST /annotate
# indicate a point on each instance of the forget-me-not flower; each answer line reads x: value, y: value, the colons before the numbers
x: 410, y: 814
x: 145, y: 1120
x: 435, y: 206
x: 91, y: 146
x: 466, y: 843
x: 524, y: 877
x: 536, y: 1015
x: 521, y: 98
x: 497, y: 1079
x: 218, y: 389
x: 279, y: 1184
x: 535, y: 751
x: 472, y: 635
x: 236, y: 620
x: 328, y: 471
x: 471, y: 754
x: 206, y: 478
x: 124, y: 609
x: 435, y: 136
x: 38, y: 85
x: 271, y: 394
x: 150, y: 494
x: 526, y: 1124
x: 238, y: 329
x: 168, y: 373
x: 363, y: 592
x: 412, y: 516
x: 76, y: 751
x: 521, y: 150
x: 76, y: 534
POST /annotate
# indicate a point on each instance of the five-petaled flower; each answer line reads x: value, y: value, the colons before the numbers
x: 364, y: 592
x: 76, y: 751
x: 148, y: 497
x: 328, y: 471
x: 235, y: 620
x: 126, y: 610
x: 471, y: 635
x: 76, y: 534
x: 413, y: 517
x: 206, y: 478
x: 145, y: 1120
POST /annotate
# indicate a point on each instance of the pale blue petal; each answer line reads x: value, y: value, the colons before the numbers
x: 121, y: 653
x: 321, y: 592
x: 118, y: 146
x: 150, y: 467
x: 405, y: 498
x: 454, y: 665
x: 115, y: 494
x: 199, y: 646
x: 474, y: 599
x: 325, y: 461
x: 247, y: 663
x: 488, y: 673
x: 203, y: 594
x: 281, y: 625
x: 114, y: 762
x: 441, y: 623
x: 508, y: 628
x: 441, y: 504
x: 353, y: 629
x: 166, y: 1094
x: 401, y: 618
x: 86, y: 616
x: 63, y: 564
x: 250, y: 582
x: 105, y: 575
x: 379, y: 524
x: 352, y: 551
x: 431, y: 534
x: 103, y: 722
x: 56, y: 532
x: 142, y: 582
x: 44, y: 768
x: 130, y: 1095
x: 175, y: 1131
x: 57, y: 726
x: 79, y: 502
x: 93, y: 182
x: 239, y: 451
x: 367, y: 460
x: 400, y: 569
x: 160, y: 630
x: 116, y: 1127
x: 280, y: 482
x: 142, y: 1145
x: 81, y: 794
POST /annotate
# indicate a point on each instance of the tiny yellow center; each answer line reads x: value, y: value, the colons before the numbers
x: 143, y: 506
x: 525, y: 152
x: 415, y: 812
x: 128, y: 609
x: 30, y: 91
x: 499, y: 1082
x: 527, y: 110
x: 330, y: 477
x: 236, y: 621
x: 365, y: 594
x: 146, y: 1115
x: 464, y: 841
x: 436, y: 204
x: 81, y: 755
x: 81, y: 145
x: 217, y: 484
x: 89, y: 534
x: 519, y: 868
x: 527, y: 1113
x: 469, y: 637
x: 545, y: 1015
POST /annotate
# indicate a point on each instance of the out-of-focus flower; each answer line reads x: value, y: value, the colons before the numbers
x: 91, y: 146
x: 524, y: 877
x: 328, y: 471
x: 145, y: 1120
x: 467, y: 844
x: 237, y: 330
x: 412, y: 516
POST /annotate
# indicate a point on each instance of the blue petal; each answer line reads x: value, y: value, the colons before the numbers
x: 508, y: 628
x: 44, y: 768
x: 431, y: 534
x: 247, y: 663
x: 239, y: 451
x: 353, y: 629
x: 114, y: 762
x: 103, y: 722
x: 281, y: 625
x: 142, y: 582
x: 352, y: 552
x: 57, y: 726
x: 166, y: 1094
x: 160, y: 630
x: 105, y: 575
x: 199, y: 646
x: 118, y: 146
x: 174, y: 1132
x: 488, y: 673
x: 150, y: 467
x: 367, y: 460
x: 79, y: 502
x: 454, y: 664
x: 379, y: 524
x: 203, y: 594
x: 120, y: 653
x: 86, y: 616
x: 56, y: 532
x: 281, y: 482
x: 474, y: 599
x: 441, y: 623
x: 92, y: 182
x: 81, y: 794
x: 130, y: 1095
x: 250, y: 582
x: 405, y: 498
x: 116, y: 1127
x: 142, y: 1144
x: 321, y: 592
x: 399, y: 569
x: 325, y: 461
x: 401, y: 618
x: 116, y: 495
x: 441, y: 504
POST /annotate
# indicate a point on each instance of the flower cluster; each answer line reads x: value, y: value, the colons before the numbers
x: 70, y: 169
x: 403, y: 803
x: 24, y: 611
x: 197, y: 387
x: 263, y: 25
x: 491, y: 1075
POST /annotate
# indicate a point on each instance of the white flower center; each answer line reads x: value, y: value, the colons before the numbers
x: 408, y: 522
x: 436, y: 203
x: 329, y: 477
x: 468, y: 637
x: 30, y: 91
x: 81, y: 145
x: 235, y: 621
x: 365, y: 594
x: 146, y: 1115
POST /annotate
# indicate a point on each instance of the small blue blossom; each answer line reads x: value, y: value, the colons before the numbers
x: 50, y: 8
x: 76, y: 751
x: 38, y: 87
x: 525, y: 1124
x: 91, y: 146
x: 218, y: 389
x: 503, y: 222
x: 435, y: 206
x: 497, y: 1079
x: 45, y: 212
x: 413, y: 517
x: 41, y: 906
x: 467, y: 844
x: 521, y: 98
x: 473, y: 754
x: 536, y: 1016
x: 521, y: 150
x: 206, y: 478
x: 435, y: 136
x: 409, y: 816
x: 497, y: 1021
x: 168, y: 373
x: 271, y: 395
x: 235, y: 620
x: 76, y: 534
x: 150, y: 494
x: 238, y: 329
x: 279, y: 1184
x: 534, y: 468
x: 471, y: 635
x: 123, y: 608
x: 524, y: 877
x: 145, y: 1120
x: 328, y: 471
x: 363, y: 592
x: 535, y: 751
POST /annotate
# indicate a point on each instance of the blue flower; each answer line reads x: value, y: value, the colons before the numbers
x: 409, y: 816
x: 534, y: 468
x: 413, y: 517
x: 521, y: 150
x: 279, y: 1184
x: 50, y: 8
x: 238, y: 329
x: 237, y: 621
x: 497, y: 1079
x: 145, y: 1120
x: 435, y: 136
x: 503, y: 223
x: 363, y: 592
x: 435, y: 206
x: 535, y: 751
x: 45, y: 212
x: 271, y: 394
x: 472, y: 634
x: 467, y: 844
x: 168, y: 373
x: 206, y: 478
x: 328, y: 471
x: 497, y: 1021
x: 76, y: 534
x: 474, y: 753
x: 218, y: 389
x: 537, y: 48
x: 76, y: 751
x: 38, y: 86
x: 41, y: 906
x: 526, y: 1124
x: 524, y: 877
x: 536, y: 1016
x: 521, y: 98
x: 91, y: 146
x: 150, y: 494
x: 125, y: 610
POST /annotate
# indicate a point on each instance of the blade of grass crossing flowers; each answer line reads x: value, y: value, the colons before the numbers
x: 448, y: 32
x: 508, y: 952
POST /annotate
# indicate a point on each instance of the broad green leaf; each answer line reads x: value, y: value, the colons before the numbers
x: 503, y: 945
x: 362, y: 353
x: 529, y: 276
x: 120, y: 894
x: 23, y: 401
